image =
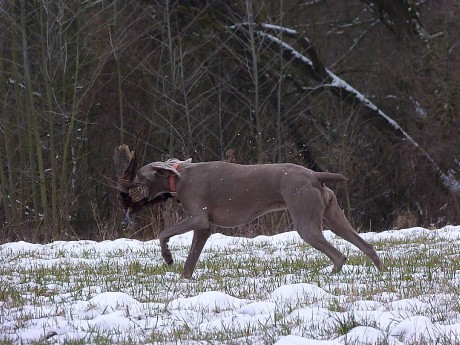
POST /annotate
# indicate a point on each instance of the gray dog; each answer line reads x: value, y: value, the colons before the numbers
x: 229, y: 195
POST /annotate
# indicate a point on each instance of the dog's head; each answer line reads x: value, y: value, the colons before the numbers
x: 139, y: 187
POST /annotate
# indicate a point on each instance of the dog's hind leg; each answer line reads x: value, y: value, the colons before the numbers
x: 335, y: 220
x: 308, y: 223
x: 199, y: 240
x: 319, y: 242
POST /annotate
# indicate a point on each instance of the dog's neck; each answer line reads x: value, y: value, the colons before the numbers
x: 172, y: 181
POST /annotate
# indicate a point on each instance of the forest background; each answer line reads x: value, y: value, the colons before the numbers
x: 366, y: 88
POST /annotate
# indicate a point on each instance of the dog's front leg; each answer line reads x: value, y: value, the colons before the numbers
x: 199, y: 240
x: 185, y: 225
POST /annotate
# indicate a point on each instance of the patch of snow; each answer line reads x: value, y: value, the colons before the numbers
x: 59, y: 310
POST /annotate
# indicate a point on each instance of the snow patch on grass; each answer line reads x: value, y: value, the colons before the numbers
x: 270, y: 289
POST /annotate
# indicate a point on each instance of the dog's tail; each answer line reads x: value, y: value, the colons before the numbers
x: 330, y: 177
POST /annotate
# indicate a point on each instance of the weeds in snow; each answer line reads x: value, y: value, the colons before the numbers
x: 243, y: 292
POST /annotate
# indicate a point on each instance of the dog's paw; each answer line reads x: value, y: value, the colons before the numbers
x: 167, y: 256
x: 186, y: 276
x: 138, y: 193
x: 168, y: 259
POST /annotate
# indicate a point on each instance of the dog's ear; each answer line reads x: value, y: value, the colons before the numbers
x: 163, y: 169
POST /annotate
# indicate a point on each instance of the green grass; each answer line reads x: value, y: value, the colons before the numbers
x: 417, y: 268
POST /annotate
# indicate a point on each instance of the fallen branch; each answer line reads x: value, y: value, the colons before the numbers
x: 344, y: 90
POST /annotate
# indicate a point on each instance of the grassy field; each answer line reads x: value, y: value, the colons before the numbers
x: 264, y: 290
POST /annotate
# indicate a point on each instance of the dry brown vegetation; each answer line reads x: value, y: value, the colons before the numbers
x: 210, y: 80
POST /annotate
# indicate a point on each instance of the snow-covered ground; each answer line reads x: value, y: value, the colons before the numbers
x: 263, y: 290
